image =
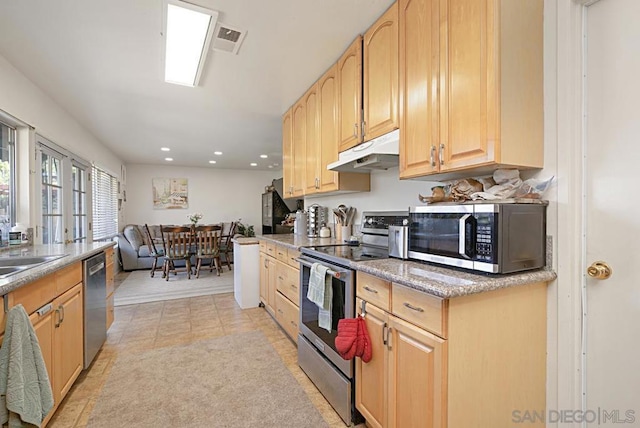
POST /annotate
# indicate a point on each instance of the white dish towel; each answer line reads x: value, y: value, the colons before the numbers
x: 320, y: 292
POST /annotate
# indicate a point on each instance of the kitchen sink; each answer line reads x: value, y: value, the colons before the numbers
x: 11, y: 265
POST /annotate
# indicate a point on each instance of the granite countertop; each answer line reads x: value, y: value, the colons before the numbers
x: 245, y: 241
x: 72, y: 253
x: 447, y: 282
x: 296, y: 241
x: 439, y: 281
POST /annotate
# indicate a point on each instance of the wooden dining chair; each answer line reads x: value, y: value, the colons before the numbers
x: 153, y: 251
x: 226, y: 246
x: 208, y: 247
x: 178, y: 246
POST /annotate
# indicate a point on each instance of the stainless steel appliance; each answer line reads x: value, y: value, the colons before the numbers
x: 95, y: 307
x: 399, y: 240
x: 492, y: 237
x: 275, y: 209
x: 317, y: 354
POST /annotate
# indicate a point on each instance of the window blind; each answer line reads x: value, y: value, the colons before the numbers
x: 105, y: 204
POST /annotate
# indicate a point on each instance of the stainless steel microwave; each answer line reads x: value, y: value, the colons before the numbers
x: 486, y: 237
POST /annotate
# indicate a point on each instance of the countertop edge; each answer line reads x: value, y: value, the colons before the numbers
x: 36, y: 273
x: 304, y: 241
x: 491, y: 283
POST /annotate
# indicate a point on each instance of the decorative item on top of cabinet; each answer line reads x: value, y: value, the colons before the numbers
x: 380, y: 70
x: 471, y: 95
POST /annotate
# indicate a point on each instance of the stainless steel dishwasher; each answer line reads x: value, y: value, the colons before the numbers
x: 95, y: 306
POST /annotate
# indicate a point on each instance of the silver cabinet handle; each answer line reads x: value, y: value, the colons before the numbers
x: 295, y: 287
x: 389, y: 338
x: 45, y: 309
x: 384, y: 333
x: 364, y: 124
x: 355, y: 130
x: 62, y: 314
x: 441, y: 153
x: 58, y: 320
x: 433, y: 156
x: 370, y: 290
x: 413, y: 308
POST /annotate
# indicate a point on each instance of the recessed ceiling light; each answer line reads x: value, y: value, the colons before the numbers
x: 217, y: 153
x: 253, y: 164
x: 165, y: 149
x: 276, y: 164
x: 188, y: 32
x: 264, y: 156
x: 168, y: 159
x: 270, y: 166
x: 212, y: 161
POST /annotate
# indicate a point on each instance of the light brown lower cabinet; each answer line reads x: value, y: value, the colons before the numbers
x: 488, y: 361
x: 55, y: 304
x: 279, y: 290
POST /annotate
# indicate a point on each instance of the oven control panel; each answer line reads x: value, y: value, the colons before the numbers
x: 381, y: 220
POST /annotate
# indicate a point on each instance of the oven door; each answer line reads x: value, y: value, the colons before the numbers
x: 343, y: 306
x: 443, y: 234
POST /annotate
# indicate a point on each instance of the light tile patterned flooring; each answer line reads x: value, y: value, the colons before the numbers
x: 177, y: 322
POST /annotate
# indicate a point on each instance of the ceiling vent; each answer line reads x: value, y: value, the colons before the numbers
x: 227, y: 38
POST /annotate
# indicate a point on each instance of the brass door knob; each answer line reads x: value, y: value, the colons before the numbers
x: 599, y: 270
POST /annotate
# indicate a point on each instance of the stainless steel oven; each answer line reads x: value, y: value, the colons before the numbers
x: 317, y: 354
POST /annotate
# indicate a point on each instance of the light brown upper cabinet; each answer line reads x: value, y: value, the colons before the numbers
x: 312, y: 143
x: 380, y: 69
x: 287, y: 154
x: 350, y: 96
x: 299, y: 118
x: 328, y: 115
x: 470, y: 86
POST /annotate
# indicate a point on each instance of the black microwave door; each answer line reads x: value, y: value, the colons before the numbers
x: 439, y: 233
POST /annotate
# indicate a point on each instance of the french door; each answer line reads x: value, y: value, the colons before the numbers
x: 64, y: 195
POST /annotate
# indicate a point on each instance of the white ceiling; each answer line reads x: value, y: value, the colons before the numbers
x: 102, y: 62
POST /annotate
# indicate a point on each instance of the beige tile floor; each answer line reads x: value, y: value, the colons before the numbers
x: 176, y: 322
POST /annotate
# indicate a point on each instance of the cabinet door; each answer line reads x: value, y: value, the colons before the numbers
x: 419, y: 78
x: 264, y: 278
x: 299, y: 149
x: 468, y: 105
x: 312, y: 146
x: 417, y: 376
x: 287, y: 155
x: 371, y: 377
x: 328, y: 115
x: 67, y: 338
x: 272, y: 283
x: 350, y: 96
x: 43, y: 326
x: 380, y: 68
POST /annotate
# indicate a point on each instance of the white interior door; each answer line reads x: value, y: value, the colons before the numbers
x: 612, y: 203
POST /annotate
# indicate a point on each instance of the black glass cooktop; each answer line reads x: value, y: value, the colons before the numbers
x: 356, y: 253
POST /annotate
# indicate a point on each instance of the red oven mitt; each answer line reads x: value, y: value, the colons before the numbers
x: 364, y: 341
x: 346, y: 339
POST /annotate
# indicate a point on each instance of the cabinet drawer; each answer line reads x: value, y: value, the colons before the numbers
x: 292, y: 258
x: 271, y: 249
x: 281, y: 253
x: 263, y: 246
x: 287, y: 283
x: 419, y: 308
x: 34, y: 295
x: 68, y: 277
x: 374, y: 290
x: 287, y: 316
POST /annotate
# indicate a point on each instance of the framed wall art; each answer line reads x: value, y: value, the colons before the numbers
x: 170, y: 193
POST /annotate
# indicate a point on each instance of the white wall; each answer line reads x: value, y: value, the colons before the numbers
x: 388, y: 193
x: 220, y: 195
x: 22, y: 99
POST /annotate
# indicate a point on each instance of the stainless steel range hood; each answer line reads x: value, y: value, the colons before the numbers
x: 379, y: 153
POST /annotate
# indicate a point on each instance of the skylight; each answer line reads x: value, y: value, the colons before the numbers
x: 188, y: 33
